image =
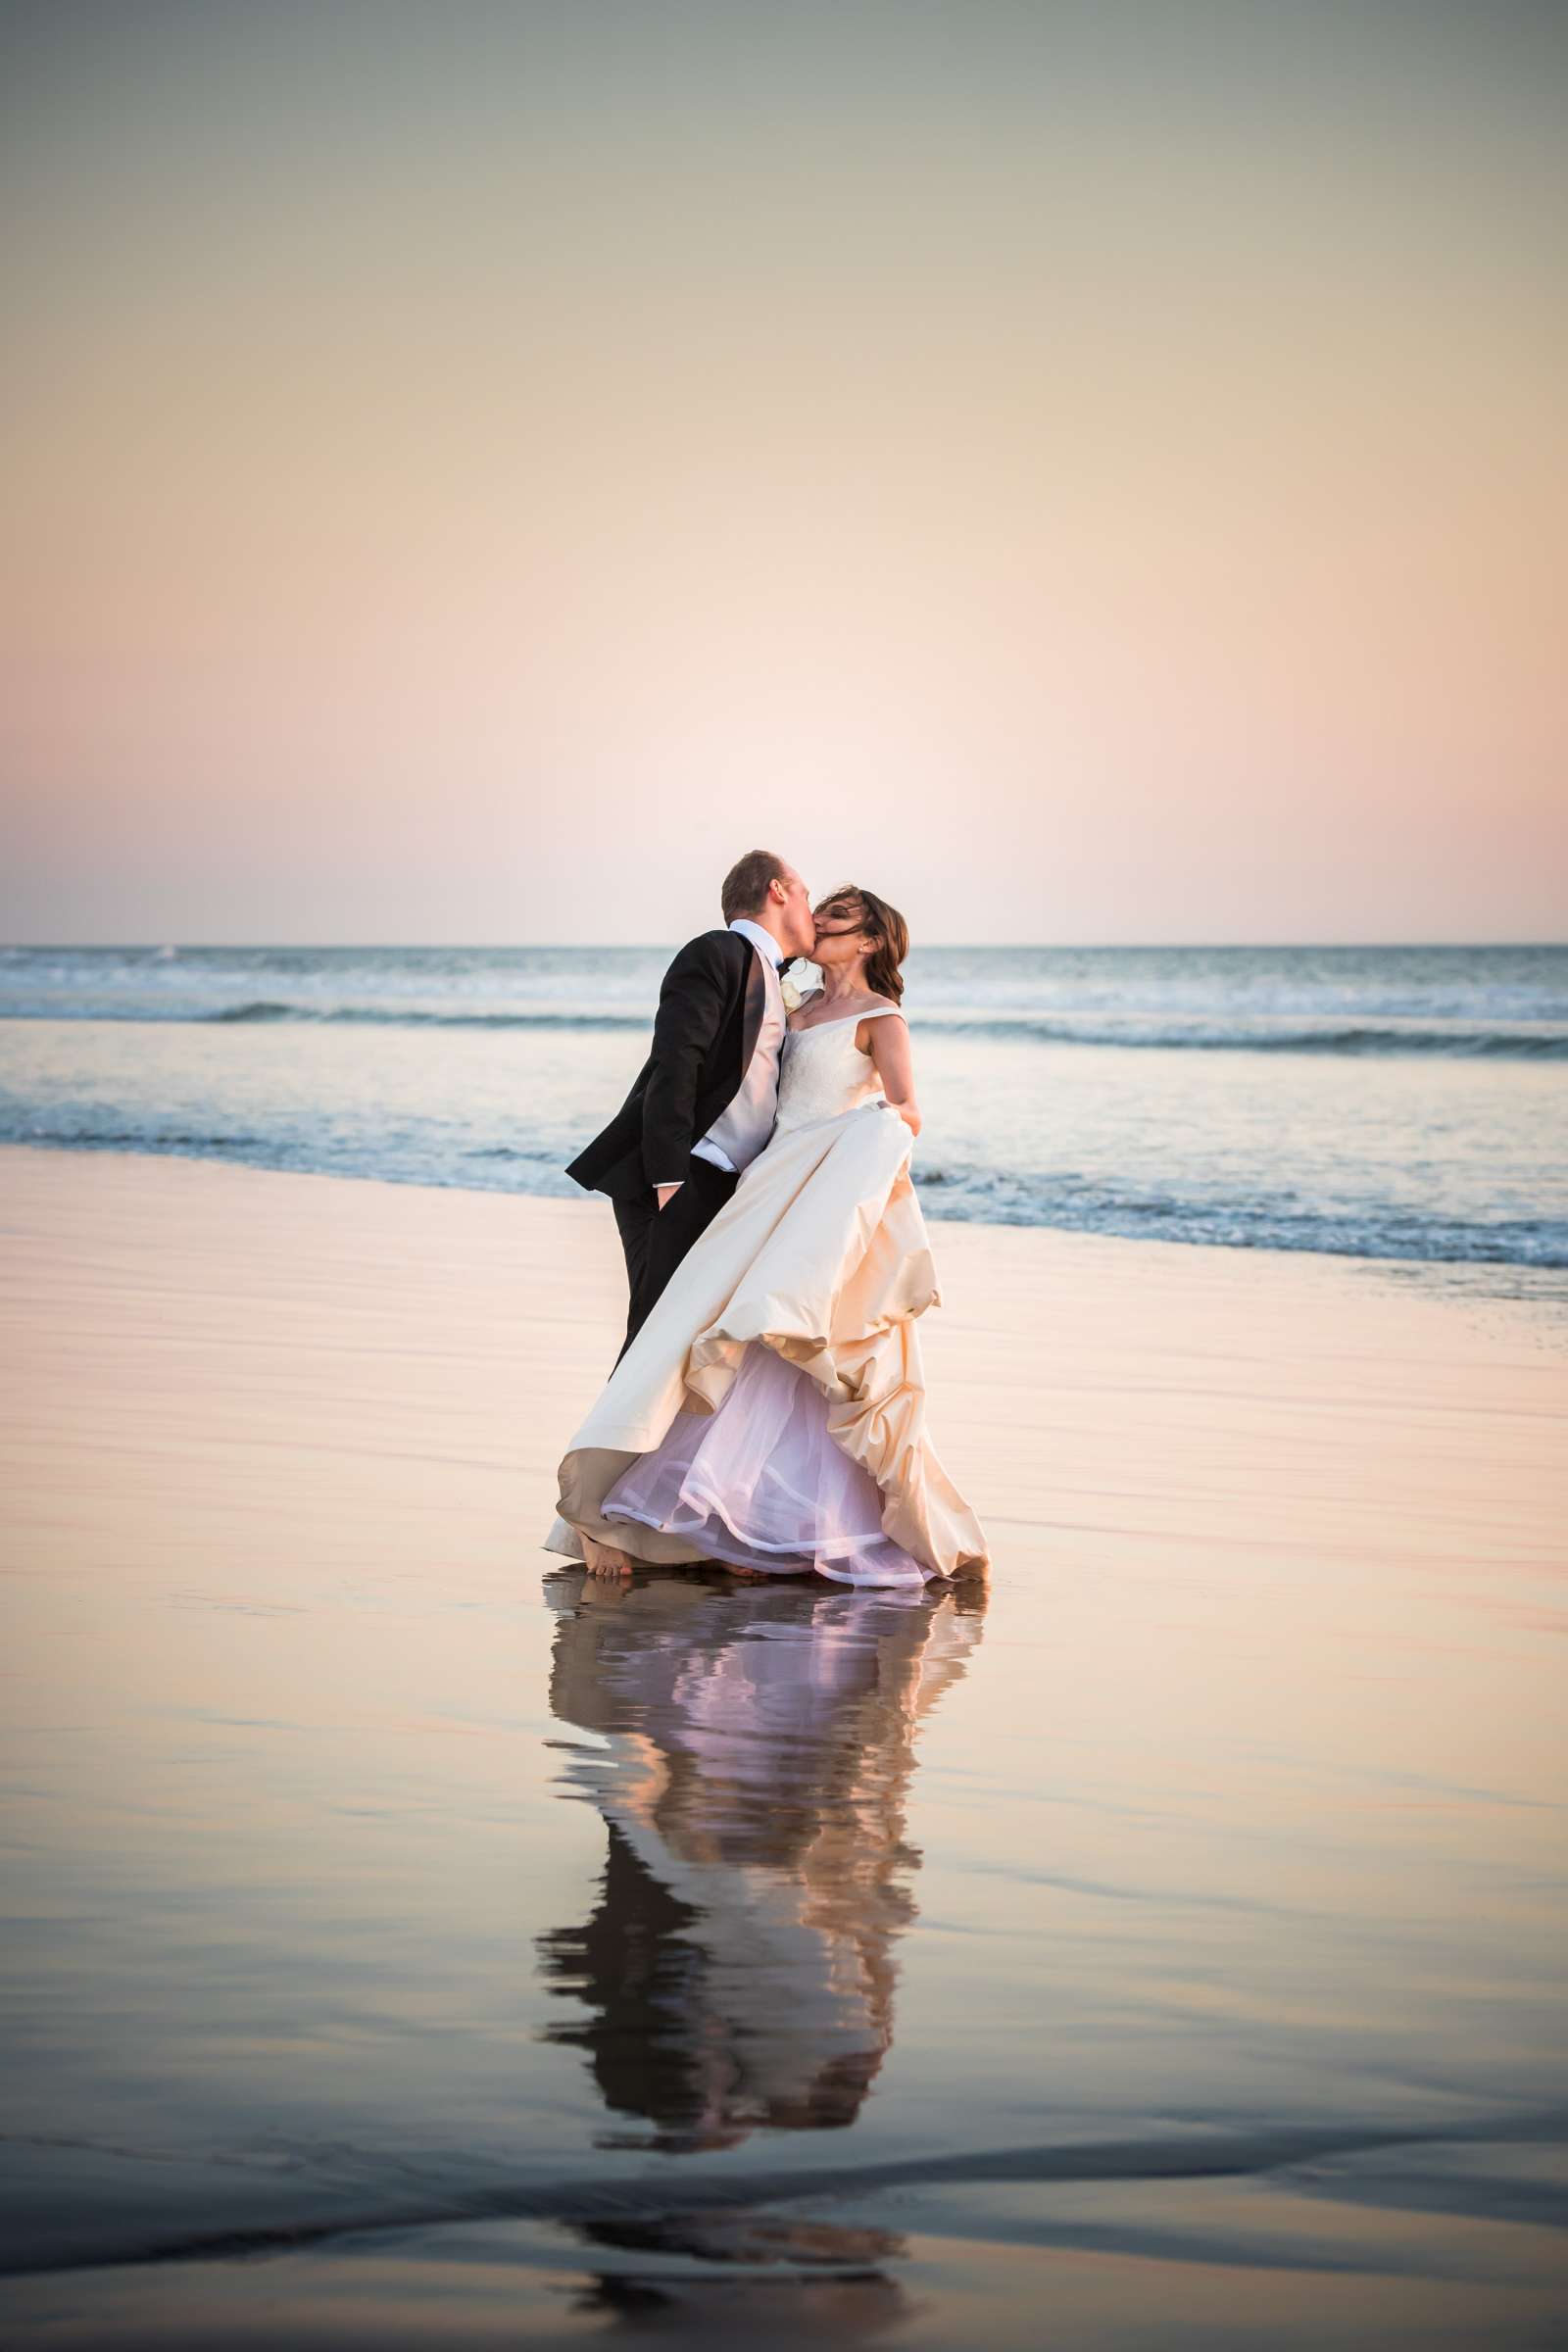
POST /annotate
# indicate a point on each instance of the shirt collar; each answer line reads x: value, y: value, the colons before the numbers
x: 760, y: 939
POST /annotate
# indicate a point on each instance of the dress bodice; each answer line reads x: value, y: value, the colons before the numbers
x: 823, y: 1071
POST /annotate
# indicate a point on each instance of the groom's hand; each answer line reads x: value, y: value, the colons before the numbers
x: 666, y: 1193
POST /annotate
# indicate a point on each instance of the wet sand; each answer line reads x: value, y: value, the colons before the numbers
x: 407, y: 1943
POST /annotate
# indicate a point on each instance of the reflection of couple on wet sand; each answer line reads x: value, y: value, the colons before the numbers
x: 767, y: 1412
x: 737, y: 1971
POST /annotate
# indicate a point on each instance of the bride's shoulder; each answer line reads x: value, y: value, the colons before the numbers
x: 881, y: 1018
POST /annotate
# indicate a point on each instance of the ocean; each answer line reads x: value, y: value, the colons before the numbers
x: 1398, y: 1103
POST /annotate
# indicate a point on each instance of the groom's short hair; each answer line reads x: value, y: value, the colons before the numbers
x: 745, y: 885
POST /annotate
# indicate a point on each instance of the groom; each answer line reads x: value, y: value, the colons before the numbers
x: 702, y: 1105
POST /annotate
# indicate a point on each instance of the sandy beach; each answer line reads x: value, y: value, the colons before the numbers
x: 1228, y: 1844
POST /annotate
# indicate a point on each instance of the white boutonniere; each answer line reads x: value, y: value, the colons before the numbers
x: 793, y: 999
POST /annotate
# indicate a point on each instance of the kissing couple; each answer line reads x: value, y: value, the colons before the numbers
x: 767, y: 1409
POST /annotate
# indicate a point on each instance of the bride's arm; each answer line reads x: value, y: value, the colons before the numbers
x: 888, y: 1044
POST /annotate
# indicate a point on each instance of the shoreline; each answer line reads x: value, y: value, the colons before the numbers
x: 1033, y: 1322
x: 1539, y: 1292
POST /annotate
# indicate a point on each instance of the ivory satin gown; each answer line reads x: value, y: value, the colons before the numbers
x: 770, y: 1413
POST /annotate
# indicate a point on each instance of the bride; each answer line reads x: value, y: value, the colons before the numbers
x: 770, y: 1412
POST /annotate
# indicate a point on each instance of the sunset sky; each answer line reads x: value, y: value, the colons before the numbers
x: 1090, y: 473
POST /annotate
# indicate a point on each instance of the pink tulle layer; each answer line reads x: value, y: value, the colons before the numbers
x: 759, y: 1483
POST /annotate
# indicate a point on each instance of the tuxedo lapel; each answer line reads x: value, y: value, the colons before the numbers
x: 756, y: 1007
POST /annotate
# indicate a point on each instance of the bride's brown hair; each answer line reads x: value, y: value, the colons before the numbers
x: 880, y: 923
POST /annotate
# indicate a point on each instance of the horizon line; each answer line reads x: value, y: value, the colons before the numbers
x: 434, y: 947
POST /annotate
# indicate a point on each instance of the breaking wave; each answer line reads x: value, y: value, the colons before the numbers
x: 1521, y: 1041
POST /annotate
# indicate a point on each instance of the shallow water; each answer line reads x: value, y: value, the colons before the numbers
x: 1397, y: 1103
x: 1175, y: 1948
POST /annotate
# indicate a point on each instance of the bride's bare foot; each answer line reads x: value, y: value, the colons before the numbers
x: 602, y: 1559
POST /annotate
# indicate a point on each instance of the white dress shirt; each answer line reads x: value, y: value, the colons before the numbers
x: 743, y: 1125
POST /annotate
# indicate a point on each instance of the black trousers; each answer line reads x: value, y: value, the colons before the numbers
x: 656, y: 1239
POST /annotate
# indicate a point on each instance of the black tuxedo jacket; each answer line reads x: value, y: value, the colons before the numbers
x: 710, y: 1007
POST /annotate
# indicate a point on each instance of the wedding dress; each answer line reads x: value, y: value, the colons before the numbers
x: 770, y: 1412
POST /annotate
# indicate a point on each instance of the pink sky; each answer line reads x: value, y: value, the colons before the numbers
x: 473, y: 472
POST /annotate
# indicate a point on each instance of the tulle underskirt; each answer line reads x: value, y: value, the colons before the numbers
x: 759, y: 1483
